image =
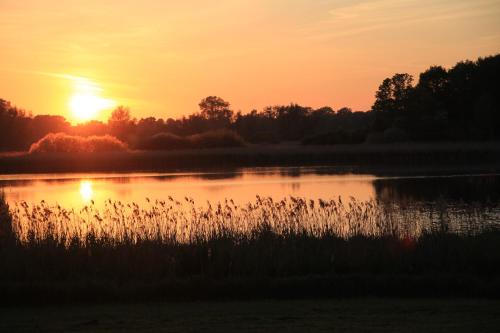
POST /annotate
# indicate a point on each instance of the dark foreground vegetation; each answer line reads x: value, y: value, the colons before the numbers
x: 294, y: 248
x: 345, y: 315
x: 461, y: 103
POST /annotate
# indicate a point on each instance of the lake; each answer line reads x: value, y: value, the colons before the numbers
x: 242, y: 185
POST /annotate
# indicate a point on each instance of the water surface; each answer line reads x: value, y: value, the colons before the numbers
x: 242, y: 185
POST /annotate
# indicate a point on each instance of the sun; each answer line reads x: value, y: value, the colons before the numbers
x: 86, y: 103
x: 85, y: 106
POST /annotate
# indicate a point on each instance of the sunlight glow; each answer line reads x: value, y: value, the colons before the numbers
x: 86, y: 190
x: 86, y: 102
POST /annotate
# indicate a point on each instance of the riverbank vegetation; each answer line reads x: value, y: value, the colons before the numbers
x: 456, y: 104
x: 211, y: 139
x: 423, y: 157
x: 178, y: 249
x: 64, y: 143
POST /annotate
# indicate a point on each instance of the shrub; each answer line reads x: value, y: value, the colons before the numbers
x: 262, y: 136
x: 216, y: 139
x: 64, y: 143
x: 394, y: 134
x: 336, y: 137
x: 390, y: 135
x: 163, y: 141
x: 375, y: 137
x: 211, y: 139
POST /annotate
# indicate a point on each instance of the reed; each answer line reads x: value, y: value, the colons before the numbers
x: 183, y: 221
x: 288, y: 248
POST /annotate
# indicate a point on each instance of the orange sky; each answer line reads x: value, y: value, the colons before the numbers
x: 161, y: 57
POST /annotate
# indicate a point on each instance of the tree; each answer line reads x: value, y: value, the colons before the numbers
x: 14, y: 127
x: 434, y: 80
x: 393, y: 92
x: 391, y: 100
x: 120, y: 114
x: 120, y: 124
x: 345, y: 111
x: 215, y: 108
x: 40, y: 125
x: 323, y: 111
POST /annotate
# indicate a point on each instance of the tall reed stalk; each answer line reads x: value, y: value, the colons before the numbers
x: 184, y: 222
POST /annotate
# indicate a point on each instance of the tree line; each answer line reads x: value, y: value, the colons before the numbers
x: 460, y: 103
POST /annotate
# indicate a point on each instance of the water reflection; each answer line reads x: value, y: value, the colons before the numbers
x: 471, y: 188
x: 86, y: 190
x: 77, y: 190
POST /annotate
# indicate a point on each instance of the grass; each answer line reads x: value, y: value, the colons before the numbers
x: 184, y: 222
x: 292, y: 248
x: 345, y: 315
x: 459, y: 156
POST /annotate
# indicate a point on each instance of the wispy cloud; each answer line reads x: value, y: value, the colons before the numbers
x: 366, y: 16
x: 98, y: 83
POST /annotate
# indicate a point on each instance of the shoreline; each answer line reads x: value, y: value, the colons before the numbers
x: 445, y: 157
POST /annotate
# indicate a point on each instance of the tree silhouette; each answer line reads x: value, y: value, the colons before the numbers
x: 121, y: 115
x: 459, y: 103
x: 434, y: 80
x: 391, y: 100
x: 121, y: 125
x: 215, y: 108
x: 393, y: 93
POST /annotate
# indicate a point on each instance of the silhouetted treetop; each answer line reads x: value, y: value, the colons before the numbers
x: 215, y: 108
x: 446, y: 104
x: 120, y: 114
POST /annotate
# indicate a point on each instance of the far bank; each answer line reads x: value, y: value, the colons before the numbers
x: 456, y: 156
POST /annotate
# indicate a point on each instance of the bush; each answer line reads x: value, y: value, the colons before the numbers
x: 262, y: 136
x: 216, y: 139
x: 390, y: 135
x: 211, y: 139
x: 336, y: 137
x: 375, y: 137
x: 64, y: 143
x: 163, y: 141
x: 394, y: 134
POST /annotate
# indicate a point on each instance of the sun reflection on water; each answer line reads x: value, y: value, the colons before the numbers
x: 86, y: 190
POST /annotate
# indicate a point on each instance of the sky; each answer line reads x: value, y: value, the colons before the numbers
x: 161, y: 57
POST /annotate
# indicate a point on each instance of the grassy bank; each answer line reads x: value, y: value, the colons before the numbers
x: 359, y: 315
x: 293, y: 248
x: 458, y: 155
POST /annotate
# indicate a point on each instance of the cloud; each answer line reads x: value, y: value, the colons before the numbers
x: 360, y: 17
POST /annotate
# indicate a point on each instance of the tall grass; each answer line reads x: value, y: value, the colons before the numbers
x: 185, y: 222
x: 292, y: 247
x: 6, y: 231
